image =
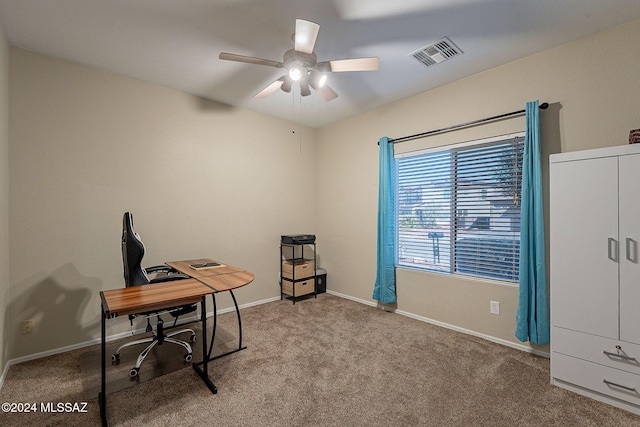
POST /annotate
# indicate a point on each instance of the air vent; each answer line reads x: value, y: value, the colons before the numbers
x: 437, y: 52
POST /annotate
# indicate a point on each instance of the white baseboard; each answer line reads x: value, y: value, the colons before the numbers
x: 444, y: 325
x: 113, y: 337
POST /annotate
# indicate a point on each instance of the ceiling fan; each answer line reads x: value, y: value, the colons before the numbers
x: 302, y: 65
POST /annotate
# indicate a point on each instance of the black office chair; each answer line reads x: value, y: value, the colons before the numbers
x: 135, y: 275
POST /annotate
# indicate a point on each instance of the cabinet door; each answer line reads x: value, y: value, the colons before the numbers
x: 584, y: 245
x: 629, y: 246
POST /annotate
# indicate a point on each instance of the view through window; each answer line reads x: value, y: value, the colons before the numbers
x: 458, y: 208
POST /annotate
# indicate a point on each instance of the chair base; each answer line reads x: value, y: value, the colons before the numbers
x: 153, y: 341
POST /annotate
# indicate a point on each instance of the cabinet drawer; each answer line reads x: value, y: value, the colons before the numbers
x: 297, y: 269
x: 301, y: 288
x: 596, y: 349
x: 611, y: 382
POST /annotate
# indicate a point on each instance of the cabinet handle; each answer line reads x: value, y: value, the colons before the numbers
x: 612, y: 250
x: 629, y: 242
x: 609, y: 383
x: 621, y: 356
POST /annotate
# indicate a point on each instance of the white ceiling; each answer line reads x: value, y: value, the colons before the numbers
x: 176, y: 43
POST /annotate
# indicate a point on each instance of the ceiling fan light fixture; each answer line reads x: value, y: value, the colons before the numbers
x: 317, y: 79
x: 304, y: 88
x: 286, y: 84
x: 295, y: 73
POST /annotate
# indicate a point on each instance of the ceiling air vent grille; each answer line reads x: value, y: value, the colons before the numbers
x: 437, y: 52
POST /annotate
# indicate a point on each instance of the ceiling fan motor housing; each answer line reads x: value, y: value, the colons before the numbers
x: 305, y: 62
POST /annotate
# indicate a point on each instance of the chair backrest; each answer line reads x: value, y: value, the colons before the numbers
x: 132, y: 254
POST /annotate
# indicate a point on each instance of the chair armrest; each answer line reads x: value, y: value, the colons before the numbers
x: 159, y: 269
x: 170, y: 274
x: 169, y: 277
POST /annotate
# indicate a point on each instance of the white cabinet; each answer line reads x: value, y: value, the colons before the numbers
x: 595, y: 273
x: 629, y: 217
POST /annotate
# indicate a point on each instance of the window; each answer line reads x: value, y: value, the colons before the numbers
x: 458, y: 208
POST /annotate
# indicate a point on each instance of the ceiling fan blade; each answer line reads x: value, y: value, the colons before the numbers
x: 250, y: 60
x: 357, y: 64
x: 326, y: 92
x: 305, y: 35
x: 304, y: 88
x: 270, y: 89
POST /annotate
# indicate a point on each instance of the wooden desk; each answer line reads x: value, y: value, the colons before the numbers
x: 186, y: 267
x: 157, y: 296
x: 141, y: 299
x: 221, y: 278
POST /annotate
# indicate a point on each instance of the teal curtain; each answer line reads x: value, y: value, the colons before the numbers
x: 385, y: 287
x: 532, y: 317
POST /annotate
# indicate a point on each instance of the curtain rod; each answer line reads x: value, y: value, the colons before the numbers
x: 543, y: 106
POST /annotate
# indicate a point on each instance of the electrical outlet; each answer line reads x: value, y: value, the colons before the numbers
x: 494, y: 307
x: 26, y: 327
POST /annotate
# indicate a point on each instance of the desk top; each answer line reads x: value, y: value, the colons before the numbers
x: 227, y: 282
x: 156, y: 296
x: 140, y: 299
x: 186, y: 268
x: 221, y: 278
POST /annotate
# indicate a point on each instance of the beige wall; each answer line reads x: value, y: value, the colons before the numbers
x: 202, y: 179
x: 207, y: 179
x: 593, y: 88
x: 4, y: 188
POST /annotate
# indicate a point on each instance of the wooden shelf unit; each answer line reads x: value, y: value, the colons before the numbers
x: 297, y: 273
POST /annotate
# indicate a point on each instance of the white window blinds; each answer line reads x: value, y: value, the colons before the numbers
x: 458, y: 209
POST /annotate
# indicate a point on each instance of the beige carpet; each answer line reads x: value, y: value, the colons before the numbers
x: 162, y: 360
x: 326, y: 362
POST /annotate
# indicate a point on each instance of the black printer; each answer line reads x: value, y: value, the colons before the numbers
x: 298, y: 239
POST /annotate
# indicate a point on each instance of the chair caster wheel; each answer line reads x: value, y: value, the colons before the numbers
x: 134, y: 372
x: 115, y: 357
x: 188, y: 358
x: 192, y: 338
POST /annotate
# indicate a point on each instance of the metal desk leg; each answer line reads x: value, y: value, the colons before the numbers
x: 240, y: 347
x: 215, y: 326
x: 239, y: 322
x: 102, y: 396
x: 204, y: 371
